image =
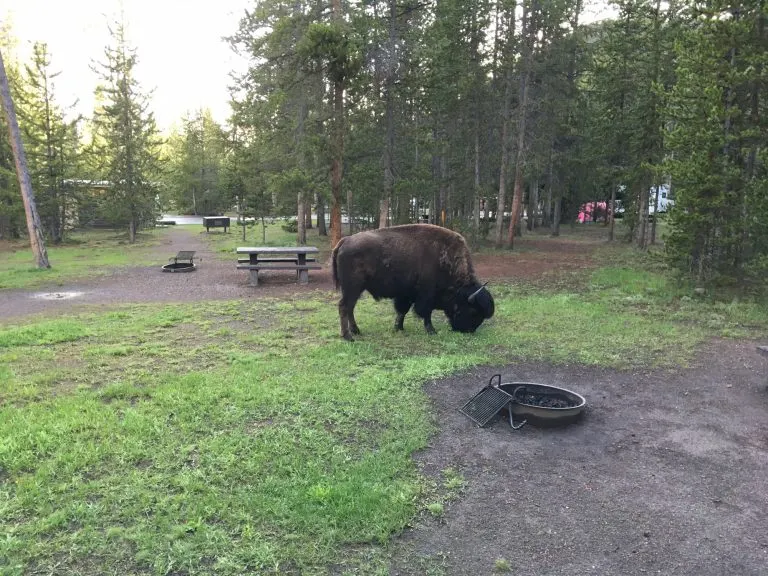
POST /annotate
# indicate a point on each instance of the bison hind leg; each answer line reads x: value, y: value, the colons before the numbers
x: 347, y: 315
x: 402, y: 306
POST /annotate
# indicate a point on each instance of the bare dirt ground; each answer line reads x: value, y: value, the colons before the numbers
x: 217, y: 279
x: 667, y: 473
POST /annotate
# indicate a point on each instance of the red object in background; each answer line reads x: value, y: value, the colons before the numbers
x: 592, y: 211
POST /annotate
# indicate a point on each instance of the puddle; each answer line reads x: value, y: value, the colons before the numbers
x: 57, y: 295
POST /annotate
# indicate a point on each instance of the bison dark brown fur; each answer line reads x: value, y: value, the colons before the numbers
x: 419, y: 265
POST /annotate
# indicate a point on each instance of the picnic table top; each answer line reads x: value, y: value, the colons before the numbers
x: 277, y: 249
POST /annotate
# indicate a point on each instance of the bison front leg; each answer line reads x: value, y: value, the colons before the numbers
x: 424, y: 309
x: 402, y: 306
x: 428, y: 324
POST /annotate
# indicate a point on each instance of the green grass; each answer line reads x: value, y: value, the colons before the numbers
x: 84, y: 254
x: 246, y: 436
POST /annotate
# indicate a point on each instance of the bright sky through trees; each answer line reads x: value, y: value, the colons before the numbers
x: 182, y: 56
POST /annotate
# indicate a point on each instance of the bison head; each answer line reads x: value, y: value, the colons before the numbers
x: 472, y: 305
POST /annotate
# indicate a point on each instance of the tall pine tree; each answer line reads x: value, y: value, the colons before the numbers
x: 126, y: 139
x: 51, y: 144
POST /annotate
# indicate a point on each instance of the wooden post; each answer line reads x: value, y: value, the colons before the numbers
x: 34, y: 226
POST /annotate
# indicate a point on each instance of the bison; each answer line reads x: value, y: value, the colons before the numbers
x: 419, y: 265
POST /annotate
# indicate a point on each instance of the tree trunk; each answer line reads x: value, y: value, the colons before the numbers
x: 557, y: 217
x: 389, y: 146
x: 655, y: 214
x: 533, y: 203
x: 34, y: 226
x: 527, y: 30
x: 443, y: 185
x: 337, y: 151
x: 241, y: 215
x: 478, y: 190
x: 336, y: 164
x: 308, y: 213
x: 499, y: 232
x: 321, y: 229
x: 656, y: 73
x: 302, y: 197
x: 479, y: 81
x: 547, y: 216
x: 642, y: 215
x: 301, y: 221
x: 383, y: 212
x: 132, y: 230
x: 612, y: 225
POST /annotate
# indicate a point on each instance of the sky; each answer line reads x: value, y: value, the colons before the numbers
x: 182, y: 57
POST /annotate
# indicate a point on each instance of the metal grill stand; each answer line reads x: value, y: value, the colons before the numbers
x: 484, y: 405
x: 184, y: 261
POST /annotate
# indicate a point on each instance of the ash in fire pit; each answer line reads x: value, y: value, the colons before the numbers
x: 544, y: 400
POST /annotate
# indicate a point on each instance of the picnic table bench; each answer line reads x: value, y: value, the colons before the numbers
x: 215, y: 222
x: 278, y: 258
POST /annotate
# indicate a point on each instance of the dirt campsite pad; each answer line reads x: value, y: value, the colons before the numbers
x: 667, y: 473
x: 217, y: 278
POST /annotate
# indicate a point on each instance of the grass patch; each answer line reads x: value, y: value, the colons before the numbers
x: 84, y: 254
x: 42, y: 333
x: 146, y: 440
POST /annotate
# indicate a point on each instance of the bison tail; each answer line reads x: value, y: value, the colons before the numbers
x: 334, y: 270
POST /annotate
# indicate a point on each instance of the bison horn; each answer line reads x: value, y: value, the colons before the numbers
x: 474, y: 294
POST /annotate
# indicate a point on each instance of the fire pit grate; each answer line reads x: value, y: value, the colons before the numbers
x: 484, y: 405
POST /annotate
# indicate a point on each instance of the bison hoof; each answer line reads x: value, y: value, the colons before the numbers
x: 354, y: 330
x: 431, y: 331
x: 348, y: 337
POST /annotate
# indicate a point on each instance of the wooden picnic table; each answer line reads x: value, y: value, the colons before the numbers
x: 278, y: 258
x: 215, y: 222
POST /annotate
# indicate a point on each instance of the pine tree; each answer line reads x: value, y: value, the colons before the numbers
x: 51, y: 143
x: 11, y: 206
x: 719, y: 165
x: 126, y: 139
